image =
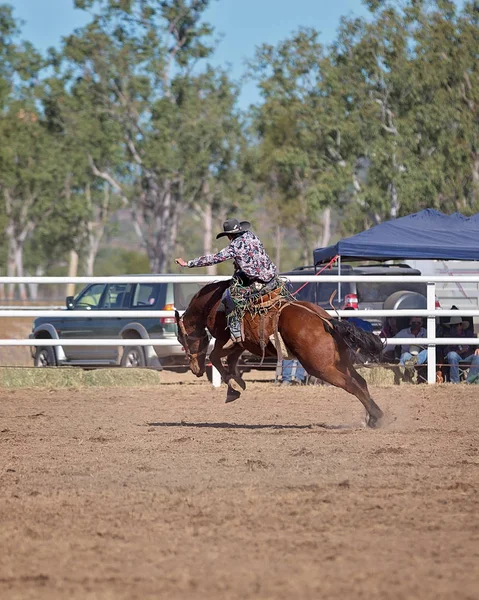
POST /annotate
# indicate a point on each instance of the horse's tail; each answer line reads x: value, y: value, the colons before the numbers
x: 366, y: 346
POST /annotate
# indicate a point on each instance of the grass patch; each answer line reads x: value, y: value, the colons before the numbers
x: 24, y: 377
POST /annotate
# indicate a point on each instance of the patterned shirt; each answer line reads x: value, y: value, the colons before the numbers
x: 248, y: 254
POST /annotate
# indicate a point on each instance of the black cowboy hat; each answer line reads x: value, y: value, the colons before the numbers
x: 233, y: 226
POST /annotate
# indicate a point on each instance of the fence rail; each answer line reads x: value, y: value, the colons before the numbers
x: 430, y: 313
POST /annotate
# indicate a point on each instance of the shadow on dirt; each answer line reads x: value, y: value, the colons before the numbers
x: 246, y: 425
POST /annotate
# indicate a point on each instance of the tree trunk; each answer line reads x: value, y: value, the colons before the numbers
x: 33, y: 287
x: 155, y: 214
x: 18, y: 228
x: 15, y: 245
x: 208, y: 232
x: 305, y: 250
x: 95, y: 234
x: 72, y: 272
x: 394, y: 208
x: 475, y: 180
x: 96, y: 226
x: 11, y: 267
x: 159, y: 212
x: 19, y: 266
x: 277, y: 254
x: 325, y: 237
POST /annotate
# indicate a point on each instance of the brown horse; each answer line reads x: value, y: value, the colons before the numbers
x: 324, y: 346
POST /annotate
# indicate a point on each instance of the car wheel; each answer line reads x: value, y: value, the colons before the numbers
x: 45, y: 357
x: 133, y: 356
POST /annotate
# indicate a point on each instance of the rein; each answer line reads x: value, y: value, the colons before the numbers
x: 187, y: 336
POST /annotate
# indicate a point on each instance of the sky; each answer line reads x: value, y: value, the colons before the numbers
x: 243, y: 24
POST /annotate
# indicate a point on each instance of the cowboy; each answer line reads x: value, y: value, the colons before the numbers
x: 463, y: 353
x: 254, y: 270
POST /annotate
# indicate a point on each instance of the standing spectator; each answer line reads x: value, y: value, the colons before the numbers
x: 463, y: 353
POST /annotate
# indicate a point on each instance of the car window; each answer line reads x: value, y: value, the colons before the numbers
x: 146, y: 294
x: 184, y: 292
x: 305, y: 293
x: 90, y: 297
x: 326, y: 289
x: 378, y: 292
x: 319, y: 293
x: 117, y: 295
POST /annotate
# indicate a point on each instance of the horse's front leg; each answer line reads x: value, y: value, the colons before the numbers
x: 226, y: 374
x: 232, y: 361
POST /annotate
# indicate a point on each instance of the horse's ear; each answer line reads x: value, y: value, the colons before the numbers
x: 177, y: 317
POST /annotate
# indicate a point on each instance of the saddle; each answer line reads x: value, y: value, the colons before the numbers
x: 267, y: 300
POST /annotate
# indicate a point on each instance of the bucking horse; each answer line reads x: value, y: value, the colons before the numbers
x: 278, y: 325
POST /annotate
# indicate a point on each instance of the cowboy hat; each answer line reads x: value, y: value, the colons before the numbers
x: 233, y: 226
x: 414, y: 349
x: 457, y: 321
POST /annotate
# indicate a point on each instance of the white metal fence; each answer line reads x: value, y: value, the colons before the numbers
x: 430, y: 313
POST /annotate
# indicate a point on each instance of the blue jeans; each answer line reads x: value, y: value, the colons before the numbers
x: 292, y: 369
x: 454, y: 359
x: 421, y: 358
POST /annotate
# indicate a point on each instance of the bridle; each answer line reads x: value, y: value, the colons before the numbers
x: 189, y: 336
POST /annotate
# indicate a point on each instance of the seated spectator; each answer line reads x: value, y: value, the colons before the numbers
x: 411, y: 354
x: 463, y: 353
x: 389, y: 330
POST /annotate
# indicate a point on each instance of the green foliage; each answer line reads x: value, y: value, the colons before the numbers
x: 118, y: 261
x: 381, y: 124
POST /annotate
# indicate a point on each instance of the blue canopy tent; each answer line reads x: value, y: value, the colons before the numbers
x: 428, y: 234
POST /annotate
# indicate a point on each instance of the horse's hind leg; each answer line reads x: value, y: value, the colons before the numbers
x: 375, y: 414
x: 344, y: 378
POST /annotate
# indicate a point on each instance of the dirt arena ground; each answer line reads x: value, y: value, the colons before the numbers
x: 167, y: 492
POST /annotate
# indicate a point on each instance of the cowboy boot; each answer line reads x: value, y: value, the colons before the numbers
x: 234, y: 325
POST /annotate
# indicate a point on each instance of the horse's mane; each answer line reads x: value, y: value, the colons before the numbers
x: 209, y: 287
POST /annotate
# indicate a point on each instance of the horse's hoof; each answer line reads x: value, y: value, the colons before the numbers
x: 232, y: 395
x: 240, y: 381
x: 236, y: 383
x: 373, y: 422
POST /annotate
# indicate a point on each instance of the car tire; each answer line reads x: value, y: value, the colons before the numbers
x: 45, y: 357
x: 133, y: 356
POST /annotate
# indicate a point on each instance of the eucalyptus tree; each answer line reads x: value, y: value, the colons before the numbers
x: 89, y: 138
x: 444, y: 126
x: 411, y: 74
x: 137, y: 60
x: 214, y: 151
x: 300, y: 126
x: 30, y: 157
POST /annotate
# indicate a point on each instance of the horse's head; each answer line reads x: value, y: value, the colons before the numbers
x: 195, y: 343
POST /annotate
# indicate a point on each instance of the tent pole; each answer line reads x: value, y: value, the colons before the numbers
x: 339, y: 283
